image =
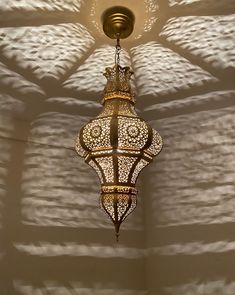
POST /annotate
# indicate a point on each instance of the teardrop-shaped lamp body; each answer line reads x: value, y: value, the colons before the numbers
x: 118, y: 144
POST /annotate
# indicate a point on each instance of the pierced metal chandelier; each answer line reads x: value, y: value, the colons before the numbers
x: 117, y: 143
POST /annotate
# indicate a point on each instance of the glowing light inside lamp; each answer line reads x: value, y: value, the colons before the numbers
x: 118, y: 145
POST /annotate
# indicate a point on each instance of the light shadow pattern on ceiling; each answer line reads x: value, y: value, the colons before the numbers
x: 185, y: 53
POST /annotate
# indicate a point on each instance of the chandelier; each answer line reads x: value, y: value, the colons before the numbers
x: 118, y: 144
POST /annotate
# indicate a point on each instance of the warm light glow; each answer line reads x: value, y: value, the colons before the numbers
x: 118, y: 145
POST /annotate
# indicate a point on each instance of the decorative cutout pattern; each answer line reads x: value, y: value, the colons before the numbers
x: 109, y: 108
x: 133, y: 205
x: 106, y: 163
x: 126, y: 109
x: 132, y: 133
x: 156, y: 145
x: 107, y: 204
x: 97, y: 134
x: 117, y: 205
x: 79, y: 149
x: 124, y: 167
x: 123, y: 203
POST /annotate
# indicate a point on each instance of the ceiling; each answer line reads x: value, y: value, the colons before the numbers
x: 53, y: 54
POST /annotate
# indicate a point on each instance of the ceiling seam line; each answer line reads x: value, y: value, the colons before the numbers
x: 194, y: 60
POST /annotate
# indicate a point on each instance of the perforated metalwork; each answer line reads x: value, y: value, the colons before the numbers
x: 79, y: 149
x: 126, y: 109
x: 107, y: 204
x: 124, y: 167
x: 118, y: 79
x: 116, y: 140
x: 118, y: 206
x: 156, y: 144
x: 106, y: 164
x: 132, y: 206
x: 118, y: 82
x: 117, y: 106
x: 109, y: 108
x: 123, y: 204
x: 96, y: 134
x: 132, y: 133
x: 142, y: 163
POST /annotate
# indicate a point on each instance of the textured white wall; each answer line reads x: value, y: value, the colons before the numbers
x: 56, y: 240
x: 189, y: 205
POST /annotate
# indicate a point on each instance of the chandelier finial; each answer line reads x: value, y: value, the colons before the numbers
x: 117, y: 237
x: 118, y: 83
x: 118, y: 80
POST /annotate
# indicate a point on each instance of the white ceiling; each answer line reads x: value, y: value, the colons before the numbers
x: 53, y: 53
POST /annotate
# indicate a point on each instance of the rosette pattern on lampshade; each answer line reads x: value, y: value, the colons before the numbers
x: 118, y: 144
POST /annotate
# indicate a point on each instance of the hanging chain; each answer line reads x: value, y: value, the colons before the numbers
x: 117, y: 52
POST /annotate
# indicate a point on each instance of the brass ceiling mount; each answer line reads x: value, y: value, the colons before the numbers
x: 118, y: 22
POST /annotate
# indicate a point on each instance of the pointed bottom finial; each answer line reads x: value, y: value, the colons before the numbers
x: 117, y: 237
x: 117, y: 227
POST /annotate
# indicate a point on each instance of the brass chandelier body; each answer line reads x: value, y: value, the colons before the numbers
x: 118, y: 144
